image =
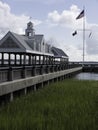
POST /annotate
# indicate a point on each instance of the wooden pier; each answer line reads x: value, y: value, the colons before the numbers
x: 25, y: 81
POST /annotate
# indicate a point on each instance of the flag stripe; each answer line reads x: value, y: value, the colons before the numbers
x: 80, y: 15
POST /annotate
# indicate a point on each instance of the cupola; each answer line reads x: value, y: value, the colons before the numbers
x: 29, y: 31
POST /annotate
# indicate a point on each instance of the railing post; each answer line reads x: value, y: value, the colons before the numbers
x: 66, y: 65
x: 59, y: 67
x: 41, y: 70
x: 25, y: 91
x: 52, y: 68
x: 62, y: 66
x: 24, y: 72
x: 56, y: 68
x: 34, y: 71
x: 47, y: 69
x: 10, y: 75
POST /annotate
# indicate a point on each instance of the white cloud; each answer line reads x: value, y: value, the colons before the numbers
x: 9, y: 21
x: 67, y: 18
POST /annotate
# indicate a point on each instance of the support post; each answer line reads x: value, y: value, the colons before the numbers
x: 11, y: 97
x: 42, y: 85
x: 35, y: 87
x: 25, y: 91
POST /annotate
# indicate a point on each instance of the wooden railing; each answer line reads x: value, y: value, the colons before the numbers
x: 13, y: 72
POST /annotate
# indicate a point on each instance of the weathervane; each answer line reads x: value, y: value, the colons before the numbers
x: 30, y: 18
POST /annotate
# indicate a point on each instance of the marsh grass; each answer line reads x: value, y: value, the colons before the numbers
x: 66, y: 105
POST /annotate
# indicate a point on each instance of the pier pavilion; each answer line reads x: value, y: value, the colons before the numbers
x: 27, y: 62
x: 28, y: 49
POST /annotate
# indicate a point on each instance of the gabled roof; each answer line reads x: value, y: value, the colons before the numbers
x: 59, y: 53
x: 25, y: 44
x: 9, y: 43
x: 22, y: 40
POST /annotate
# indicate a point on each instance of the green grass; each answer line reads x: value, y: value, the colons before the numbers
x: 67, y: 105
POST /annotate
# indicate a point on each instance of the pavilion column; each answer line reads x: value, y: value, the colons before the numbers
x: 39, y: 59
x: 9, y: 59
x: 29, y: 59
x: 32, y: 59
x: 46, y: 59
x: 53, y: 60
x: 35, y: 60
x: 43, y: 59
x: 15, y: 59
x: 60, y: 60
x: 49, y: 60
x: 63, y: 60
x: 24, y: 60
x: 2, y: 59
x: 20, y: 59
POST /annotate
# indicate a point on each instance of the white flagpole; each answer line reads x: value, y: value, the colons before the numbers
x: 83, y: 37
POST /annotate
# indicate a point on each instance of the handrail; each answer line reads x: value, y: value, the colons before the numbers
x: 18, y: 72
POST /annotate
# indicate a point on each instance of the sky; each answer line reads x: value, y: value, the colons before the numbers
x: 56, y: 19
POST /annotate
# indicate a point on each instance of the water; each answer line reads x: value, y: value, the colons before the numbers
x: 86, y: 76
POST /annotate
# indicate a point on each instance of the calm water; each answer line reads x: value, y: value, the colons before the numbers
x: 87, y: 76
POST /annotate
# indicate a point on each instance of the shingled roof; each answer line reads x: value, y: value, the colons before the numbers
x: 21, y: 43
x: 29, y: 43
x: 59, y: 53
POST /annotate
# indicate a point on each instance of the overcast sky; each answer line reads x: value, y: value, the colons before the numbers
x: 56, y: 19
